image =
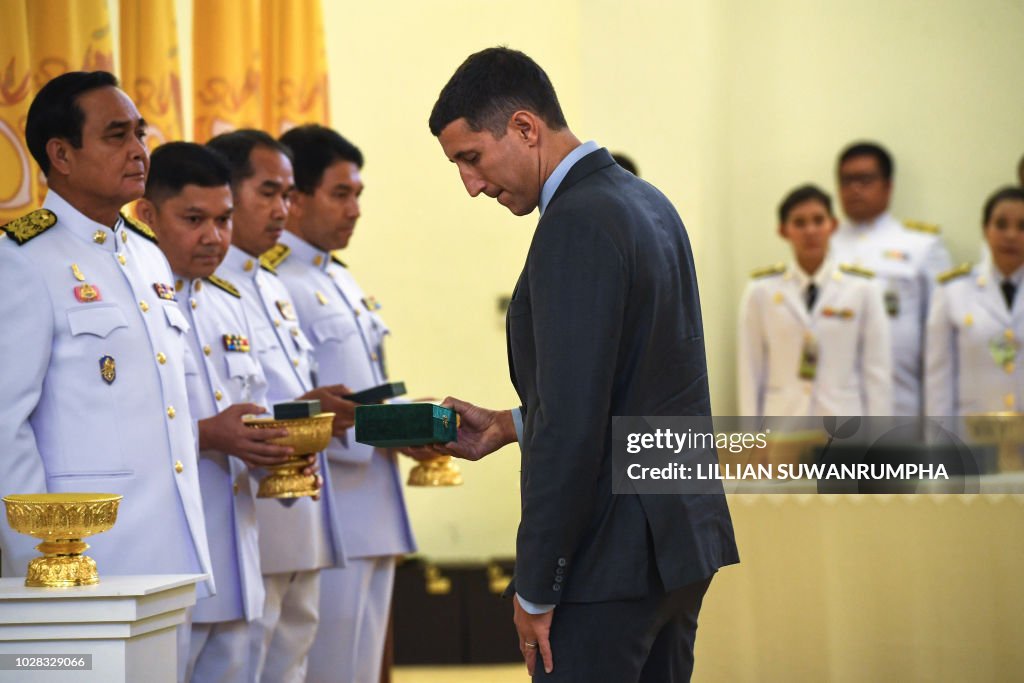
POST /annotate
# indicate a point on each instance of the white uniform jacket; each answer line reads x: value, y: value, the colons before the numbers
x: 93, y: 390
x: 303, y: 535
x: 906, y: 260
x: 348, y: 343
x: 220, y: 371
x: 846, y: 333
x: 973, y: 347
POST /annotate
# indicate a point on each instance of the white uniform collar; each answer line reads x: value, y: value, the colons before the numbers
x: 819, y: 278
x: 240, y: 264
x: 996, y: 275
x: 304, y: 251
x: 81, y: 225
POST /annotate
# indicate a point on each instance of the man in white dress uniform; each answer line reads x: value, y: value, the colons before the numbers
x: 814, y: 339
x: 906, y: 257
x: 93, y: 390
x: 188, y: 204
x: 347, y: 333
x: 298, y: 541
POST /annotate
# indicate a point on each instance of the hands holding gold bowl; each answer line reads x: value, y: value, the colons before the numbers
x: 306, y: 436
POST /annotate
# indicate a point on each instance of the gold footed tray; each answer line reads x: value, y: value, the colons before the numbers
x: 306, y: 436
x: 61, y: 521
x: 1005, y: 430
x: 439, y: 471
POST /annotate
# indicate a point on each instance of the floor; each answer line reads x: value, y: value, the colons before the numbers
x: 500, y: 673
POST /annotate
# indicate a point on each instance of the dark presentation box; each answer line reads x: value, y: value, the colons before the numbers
x: 405, y: 424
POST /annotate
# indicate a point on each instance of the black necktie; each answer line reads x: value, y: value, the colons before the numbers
x: 812, y: 295
x: 1009, y: 290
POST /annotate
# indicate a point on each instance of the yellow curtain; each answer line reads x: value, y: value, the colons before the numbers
x: 226, y: 58
x: 295, y: 64
x: 150, y: 71
x: 41, y: 39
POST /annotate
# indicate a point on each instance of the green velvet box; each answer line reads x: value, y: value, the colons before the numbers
x: 405, y: 424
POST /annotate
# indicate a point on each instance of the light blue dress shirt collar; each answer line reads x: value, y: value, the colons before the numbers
x: 558, y: 175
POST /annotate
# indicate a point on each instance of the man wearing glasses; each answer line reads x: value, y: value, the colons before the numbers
x: 906, y: 257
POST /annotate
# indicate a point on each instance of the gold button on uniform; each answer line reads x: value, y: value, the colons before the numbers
x: 235, y: 488
x: 317, y: 260
x: 247, y: 266
x: 295, y: 362
x: 192, y: 302
x: 99, y: 237
x: 170, y: 412
x: 277, y: 323
x: 1009, y: 367
x: 217, y: 395
x: 178, y: 467
x: 206, y: 350
x: 144, y: 306
x: 1009, y: 401
x: 161, y: 358
x: 198, y: 285
x: 124, y: 237
x: 374, y: 357
x: 121, y: 259
x: 295, y: 332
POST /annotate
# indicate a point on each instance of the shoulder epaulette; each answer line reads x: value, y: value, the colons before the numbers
x: 338, y: 261
x: 954, y: 273
x: 852, y: 269
x: 921, y: 226
x: 31, y: 225
x: 225, y: 285
x: 138, y: 226
x: 275, y: 256
x: 777, y: 269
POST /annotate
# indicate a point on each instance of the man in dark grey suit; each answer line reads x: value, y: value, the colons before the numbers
x: 605, y: 320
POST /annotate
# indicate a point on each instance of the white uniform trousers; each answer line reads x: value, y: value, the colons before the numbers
x: 220, y: 652
x: 354, y: 606
x: 282, y: 638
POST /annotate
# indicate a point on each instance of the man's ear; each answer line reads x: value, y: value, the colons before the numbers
x: 525, y: 126
x: 146, y: 211
x: 58, y: 150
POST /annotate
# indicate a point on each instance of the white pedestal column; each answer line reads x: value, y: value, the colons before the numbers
x: 127, y: 624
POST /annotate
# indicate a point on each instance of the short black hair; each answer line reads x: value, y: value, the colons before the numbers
x: 237, y: 146
x: 802, y: 194
x: 626, y: 162
x: 1020, y: 170
x: 869, y: 149
x: 54, y: 112
x: 314, y: 148
x: 490, y: 86
x: 1008, y: 193
x: 174, y: 165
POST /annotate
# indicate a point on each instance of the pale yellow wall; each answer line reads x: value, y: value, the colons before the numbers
x: 725, y: 104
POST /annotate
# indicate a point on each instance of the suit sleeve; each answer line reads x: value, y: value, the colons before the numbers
x: 876, y: 347
x: 752, y: 362
x: 941, y: 366
x: 25, y: 348
x: 577, y: 284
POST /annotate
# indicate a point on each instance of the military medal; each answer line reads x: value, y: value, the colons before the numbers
x: 287, y: 312
x: 896, y: 255
x: 1003, y: 350
x: 77, y: 273
x: 841, y: 313
x: 808, y: 358
x: 164, y: 291
x: 87, y: 293
x: 108, y: 369
x: 892, y: 303
x: 236, y: 342
x: 371, y: 303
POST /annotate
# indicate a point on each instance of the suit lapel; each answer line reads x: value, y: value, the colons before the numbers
x: 508, y: 338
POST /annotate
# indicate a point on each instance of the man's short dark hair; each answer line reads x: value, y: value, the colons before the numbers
x: 54, y: 112
x: 804, y: 193
x: 237, y: 146
x: 490, y: 86
x: 174, y: 165
x: 626, y: 162
x: 1009, y: 192
x: 869, y: 149
x: 1020, y: 170
x: 314, y: 148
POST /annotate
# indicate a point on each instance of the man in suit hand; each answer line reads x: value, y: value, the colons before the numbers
x: 604, y: 321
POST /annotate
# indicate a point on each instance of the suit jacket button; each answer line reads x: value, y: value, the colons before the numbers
x: 556, y: 587
x: 561, y: 562
x: 559, y: 571
x: 559, y: 579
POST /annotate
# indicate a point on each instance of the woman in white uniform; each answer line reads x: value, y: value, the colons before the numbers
x: 976, y: 321
x: 814, y: 338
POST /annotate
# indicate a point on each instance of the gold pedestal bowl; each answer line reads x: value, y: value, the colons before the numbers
x: 61, y: 521
x: 439, y: 471
x: 1005, y: 430
x: 306, y: 435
